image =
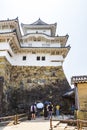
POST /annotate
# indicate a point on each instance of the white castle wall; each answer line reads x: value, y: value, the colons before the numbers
x: 5, y: 46
x: 31, y: 59
x: 5, y: 30
x: 46, y: 31
x: 40, y: 44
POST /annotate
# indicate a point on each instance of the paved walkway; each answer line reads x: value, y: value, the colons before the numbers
x: 38, y: 124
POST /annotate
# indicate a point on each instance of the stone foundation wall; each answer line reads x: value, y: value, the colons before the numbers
x: 5, y: 74
x: 24, y: 84
x: 5, y: 69
x: 1, y: 92
x: 34, y: 76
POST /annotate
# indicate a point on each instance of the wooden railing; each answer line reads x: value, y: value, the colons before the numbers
x: 81, y: 124
x: 78, y: 123
x: 15, y: 119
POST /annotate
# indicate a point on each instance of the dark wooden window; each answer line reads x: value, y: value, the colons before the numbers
x: 24, y: 57
x: 43, y: 57
x: 38, y: 57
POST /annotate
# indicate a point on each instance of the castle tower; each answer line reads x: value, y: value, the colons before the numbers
x: 33, y: 61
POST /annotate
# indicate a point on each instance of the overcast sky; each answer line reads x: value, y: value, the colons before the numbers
x: 71, y: 18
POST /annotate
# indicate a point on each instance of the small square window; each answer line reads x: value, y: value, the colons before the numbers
x: 43, y: 57
x: 24, y: 57
x: 38, y: 57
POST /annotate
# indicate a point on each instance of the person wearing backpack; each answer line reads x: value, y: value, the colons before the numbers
x: 33, y: 111
x: 50, y: 110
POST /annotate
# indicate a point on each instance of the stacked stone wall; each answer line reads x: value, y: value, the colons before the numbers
x: 5, y: 75
x: 5, y: 69
x: 27, y: 84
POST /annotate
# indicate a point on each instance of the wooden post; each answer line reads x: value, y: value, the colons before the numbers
x: 80, y: 125
x: 16, y: 120
x: 77, y: 124
x: 51, y: 123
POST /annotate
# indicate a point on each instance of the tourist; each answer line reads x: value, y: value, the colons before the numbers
x: 72, y: 109
x: 50, y: 110
x: 45, y: 111
x: 33, y: 110
x: 57, y: 110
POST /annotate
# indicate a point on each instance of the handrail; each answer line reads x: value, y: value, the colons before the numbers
x: 14, y: 118
x: 79, y: 123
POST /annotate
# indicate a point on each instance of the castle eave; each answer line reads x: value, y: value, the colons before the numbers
x: 79, y: 79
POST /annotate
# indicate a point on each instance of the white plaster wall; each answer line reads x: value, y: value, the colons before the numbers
x: 5, y: 54
x: 5, y: 30
x: 45, y: 31
x: 31, y: 60
x: 55, y: 57
x: 5, y: 46
x: 40, y: 44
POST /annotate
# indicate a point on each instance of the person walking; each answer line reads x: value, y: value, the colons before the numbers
x: 50, y: 110
x: 33, y: 110
x: 45, y: 111
x: 57, y: 110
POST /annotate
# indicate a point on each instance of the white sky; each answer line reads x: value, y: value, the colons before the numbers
x: 71, y: 18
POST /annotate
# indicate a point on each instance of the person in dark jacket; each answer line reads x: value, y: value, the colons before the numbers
x: 50, y: 110
x: 45, y: 111
x: 33, y: 111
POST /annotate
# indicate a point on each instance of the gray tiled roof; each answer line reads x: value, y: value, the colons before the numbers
x: 79, y: 79
x: 39, y: 22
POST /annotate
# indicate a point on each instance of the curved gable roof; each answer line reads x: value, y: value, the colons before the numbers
x: 39, y: 22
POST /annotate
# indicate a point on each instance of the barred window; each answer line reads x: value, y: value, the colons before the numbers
x: 43, y: 57
x: 38, y: 57
x: 24, y: 57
